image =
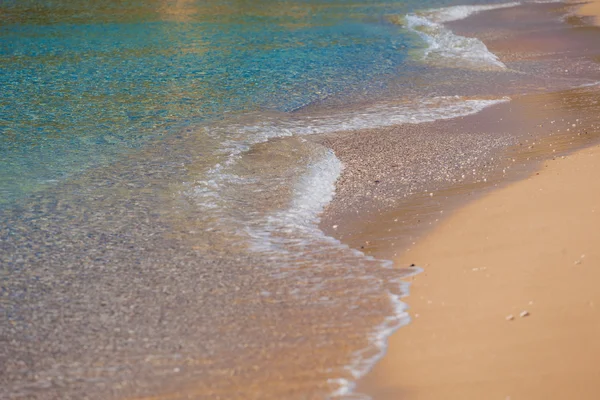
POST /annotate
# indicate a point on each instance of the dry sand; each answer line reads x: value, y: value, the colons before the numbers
x: 530, y: 247
x: 591, y: 9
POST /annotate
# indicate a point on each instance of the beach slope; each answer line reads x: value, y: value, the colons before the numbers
x: 591, y: 9
x: 508, y: 306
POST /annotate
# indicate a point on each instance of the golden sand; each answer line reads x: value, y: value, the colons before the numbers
x: 532, y: 248
x: 591, y: 9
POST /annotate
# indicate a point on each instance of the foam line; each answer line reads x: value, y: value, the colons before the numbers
x: 446, y: 48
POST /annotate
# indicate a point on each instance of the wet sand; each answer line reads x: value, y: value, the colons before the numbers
x: 400, y: 181
x: 390, y: 172
x: 591, y: 9
x: 529, y: 248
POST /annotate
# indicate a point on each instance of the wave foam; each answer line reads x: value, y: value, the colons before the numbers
x: 414, y: 112
x: 208, y: 192
x: 456, y: 13
x: 445, y: 47
x: 591, y: 84
x: 313, y: 191
x: 365, y: 359
x: 290, y: 230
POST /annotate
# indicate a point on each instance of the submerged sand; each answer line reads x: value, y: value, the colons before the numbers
x: 507, y: 307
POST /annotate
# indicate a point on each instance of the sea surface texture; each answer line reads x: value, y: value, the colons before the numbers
x: 160, y: 191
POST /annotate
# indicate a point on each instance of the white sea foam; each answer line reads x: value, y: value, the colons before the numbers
x: 414, y: 112
x: 214, y: 192
x: 313, y: 191
x: 447, y: 48
x: 591, y: 84
x: 242, y: 136
x: 365, y: 359
x: 456, y: 13
x: 291, y: 232
x: 299, y: 222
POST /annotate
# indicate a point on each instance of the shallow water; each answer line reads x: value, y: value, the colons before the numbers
x: 84, y: 83
x: 160, y: 194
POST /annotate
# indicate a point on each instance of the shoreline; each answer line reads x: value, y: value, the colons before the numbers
x: 384, y: 233
x: 590, y: 9
x: 527, y: 249
x: 202, y: 255
x: 506, y: 305
x: 384, y: 225
x: 375, y: 234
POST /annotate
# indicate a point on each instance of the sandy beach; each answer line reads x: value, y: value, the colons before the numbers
x: 591, y: 9
x: 508, y: 304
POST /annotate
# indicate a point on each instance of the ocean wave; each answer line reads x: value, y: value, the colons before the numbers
x: 300, y: 226
x: 590, y: 84
x: 284, y: 186
x: 209, y: 192
x: 243, y: 135
x: 456, y: 13
x: 446, y: 48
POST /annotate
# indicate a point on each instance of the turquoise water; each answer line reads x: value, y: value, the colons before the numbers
x: 83, y: 82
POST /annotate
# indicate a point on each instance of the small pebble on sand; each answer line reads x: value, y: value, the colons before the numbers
x: 510, y: 317
x: 524, y: 314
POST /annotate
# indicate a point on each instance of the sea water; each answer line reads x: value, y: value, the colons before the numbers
x: 83, y: 83
x: 160, y: 201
